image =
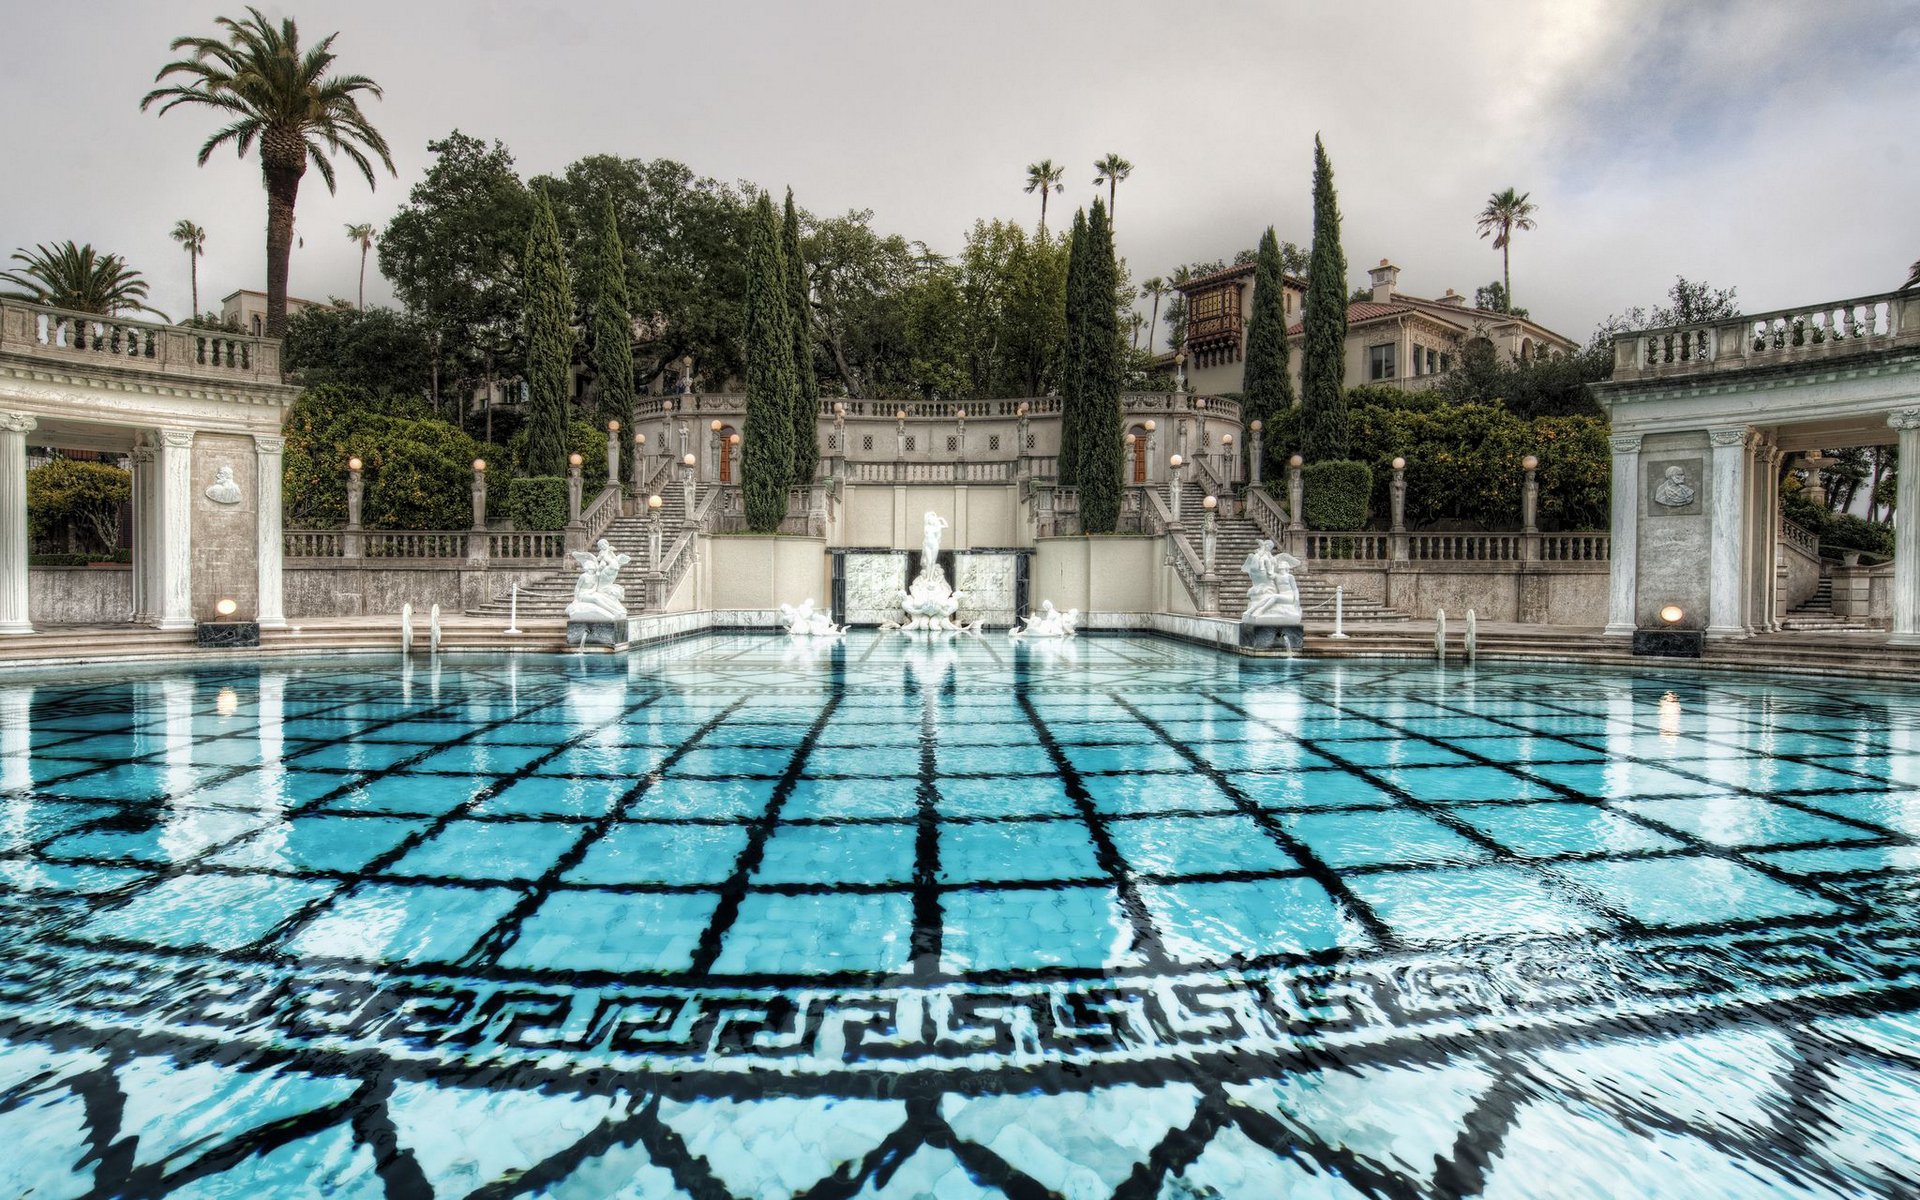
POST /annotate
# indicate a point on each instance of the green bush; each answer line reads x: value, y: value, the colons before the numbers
x: 538, y: 502
x: 1336, y: 494
x: 79, y: 560
x: 1848, y: 534
x: 416, y: 473
x: 583, y: 438
x: 71, y: 504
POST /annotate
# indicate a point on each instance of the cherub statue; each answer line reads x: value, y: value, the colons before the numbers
x: 1049, y: 622
x: 804, y: 621
x: 597, y: 594
x: 1272, y: 593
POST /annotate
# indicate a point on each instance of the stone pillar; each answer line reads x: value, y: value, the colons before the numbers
x: 270, y: 609
x: 1774, y: 458
x: 1906, y: 533
x: 1254, y: 449
x: 142, y: 489
x: 1624, y: 553
x: 1763, y: 536
x: 576, y: 532
x: 960, y: 434
x: 173, y: 463
x: 1727, y: 557
x: 13, y: 522
x: 350, y: 540
x: 1530, y: 509
x: 1397, y: 494
x: 613, y: 453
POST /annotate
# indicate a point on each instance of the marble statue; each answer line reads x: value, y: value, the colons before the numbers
x: 223, y: 489
x: 804, y: 621
x: 1049, y: 622
x: 930, y: 601
x: 1674, y: 491
x: 597, y: 594
x: 1273, y: 600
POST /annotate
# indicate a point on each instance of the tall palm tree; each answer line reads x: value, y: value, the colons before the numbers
x: 1044, y: 177
x: 274, y: 91
x: 78, y: 278
x: 1152, y: 290
x: 362, y: 236
x: 194, y: 239
x: 1505, y: 213
x: 1110, y: 171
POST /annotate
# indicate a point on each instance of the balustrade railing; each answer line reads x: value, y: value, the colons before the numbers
x: 519, y: 545
x: 1364, y: 547
x: 604, y: 510
x: 1800, y: 537
x: 1839, y: 327
x: 59, y: 334
x: 1156, y: 517
x: 388, y: 543
x: 1575, y: 547
x: 1263, y: 510
x: 903, y: 471
x: 1465, y: 547
x: 312, y: 543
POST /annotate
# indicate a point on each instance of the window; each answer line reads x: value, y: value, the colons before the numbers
x: 866, y: 442
x: 833, y: 442
x: 993, y: 441
x: 1446, y: 363
x: 1433, y: 361
x: 909, y: 443
x: 1380, y: 361
x: 1029, y: 441
x: 953, y: 443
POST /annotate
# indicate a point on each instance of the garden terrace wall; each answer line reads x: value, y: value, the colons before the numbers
x: 1572, y: 594
x: 101, y: 595
x: 344, y: 591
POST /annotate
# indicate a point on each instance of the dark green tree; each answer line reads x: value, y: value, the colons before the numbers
x: 806, y: 404
x: 375, y: 351
x: 1323, y: 434
x: 1099, y: 449
x: 1074, y: 353
x: 548, y: 324
x: 612, y: 322
x: 766, y: 459
x: 1268, y: 385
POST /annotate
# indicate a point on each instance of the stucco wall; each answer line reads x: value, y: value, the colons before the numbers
x: 1111, y: 574
x: 893, y: 517
x: 1540, y: 593
x: 79, y: 595
x: 751, y: 571
x: 225, y: 541
x: 1675, y: 542
x: 348, y: 592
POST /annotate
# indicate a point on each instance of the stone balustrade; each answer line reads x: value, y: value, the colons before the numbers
x: 1783, y: 337
x: 58, y: 336
x: 734, y: 405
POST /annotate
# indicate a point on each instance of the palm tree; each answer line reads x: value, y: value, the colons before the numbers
x: 1506, y: 212
x: 275, y: 92
x: 194, y: 239
x: 1110, y: 171
x: 1153, y: 289
x: 1044, y: 177
x: 362, y: 236
x: 78, y: 278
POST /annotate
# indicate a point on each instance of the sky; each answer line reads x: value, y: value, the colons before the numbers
x: 1763, y: 145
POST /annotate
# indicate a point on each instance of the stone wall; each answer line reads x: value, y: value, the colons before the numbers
x: 884, y: 516
x: 79, y: 595
x: 225, y: 539
x: 1101, y: 576
x: 1675, y: 541
x: 336, y: 591
x: 1536, y: 593
x: 760, y: 572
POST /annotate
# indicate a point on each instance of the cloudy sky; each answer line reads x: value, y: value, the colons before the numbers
x: 1760, y: 144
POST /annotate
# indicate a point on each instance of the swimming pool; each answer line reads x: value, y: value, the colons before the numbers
x: 1119, y: 917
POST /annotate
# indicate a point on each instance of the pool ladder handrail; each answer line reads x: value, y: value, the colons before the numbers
x: 1469, y: 637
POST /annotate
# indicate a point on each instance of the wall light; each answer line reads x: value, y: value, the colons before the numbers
x: 1296, y: 461
x: 226, y: 608
x: 1399, y: 464
x: 613, y: 427
x: 1673, y: 614
x: 687, y: 461
x: 1210, y: 502
x: 480, y: 464
x: 715, y: 426
x: 653, y: 502
x: 1529, y: 463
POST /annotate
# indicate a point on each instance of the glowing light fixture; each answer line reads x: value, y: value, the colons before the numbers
x: 573, y: 460
x: 226, y: 608
x: 1673, y: 614
x: 353, y: 464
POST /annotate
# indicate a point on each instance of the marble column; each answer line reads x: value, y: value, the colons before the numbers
x: 1727, y: 558
x: 1763, y: 535
x: 1623, y: 594
x: 13, y: 522
x: 1775, y: 456
x: 173, y: 577
x: 141, y: 459
x: 1906, y: 533
x: 270, y: 611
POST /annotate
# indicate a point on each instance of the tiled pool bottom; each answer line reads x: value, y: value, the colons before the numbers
x: 1118, y: 918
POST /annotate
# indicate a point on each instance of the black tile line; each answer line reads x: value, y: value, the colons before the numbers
x: 1296, y: 1142
x: 1146, y: 936
x: 1316, y: 869
x: 1179, y: 1149
x: 1483, y: 1133
x: 153, y: 1180
x: 400, y: 1172
x: 928, y: 930
x: 306, y: 913
x: 534, y: 893
x: 733, y: 892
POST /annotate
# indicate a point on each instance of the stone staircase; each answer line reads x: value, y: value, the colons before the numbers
x: 546, y: 598
x: 1235, y: 538
x: 1816, y: 615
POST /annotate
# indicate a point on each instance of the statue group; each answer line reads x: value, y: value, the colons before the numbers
x: 1273, y: 599
x: 805, y: 621
x: 597, y: 594
x: 929, y: 601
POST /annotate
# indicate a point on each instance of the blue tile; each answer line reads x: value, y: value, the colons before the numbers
x: 852, y: 799
x: 1197, y: 846
x: 1016, y: 796
x: 648, y: 853
x: 1131, y: 758
x: 1020, y: 850
x: 319, y: 843
x: 1545, y: 830
x: 819, y: 934
x: 1115, y: 794
x: 642, y: 933
x: 1693, y: 890
x: 727, y: 761
x: 393, y: 922
x: 1359, y: 839
x: 1843, y: 860
x: 1023, y: 929
x: 409, y: 795
x: 351, y: 756
x: 176, y: 840
x: 489, y: 850
x: 1219, y: 922
x: 701, y: 799
x: 25, y: 822
x: 845, y: 853
x: 1743, y: 821
x: 547, y: 796
x: 1470, y: 903
x: 481, y: 760
x: 221, y: 912
x: 622, y: 762
x: 1312, y: 789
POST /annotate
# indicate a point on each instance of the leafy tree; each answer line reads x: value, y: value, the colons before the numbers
x: 1268, y: 386
x: 453, y: 255
x: 1506, y: 213
x: 806, y: 396
x: 78, y: 278
x: 1111, y: 170
x: 75, y: 505
x: 549, y: 333
x: 193, y: 240
x: 1323, y: 353
x: 271, y: 90
x: 611, y: 322
x: 1493, y: 298
x: 416, y: 470
x: 360, y: 235
x: 1073, y: 369
x: 1154, y: 289
x: 372, y: 351
x: 858, y: 275
x: 766, y: 459
x: 1099, y: 450
x: 1044, y: 177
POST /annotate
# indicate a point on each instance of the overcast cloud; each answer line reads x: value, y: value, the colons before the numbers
x: 1761, y: 144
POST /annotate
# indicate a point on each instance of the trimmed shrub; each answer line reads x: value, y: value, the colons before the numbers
x: 1845, y: 534
x: 78, y: 560
x: 538, y: 502
x: 416, y: 474
x: 71, y: 504
x: 1336, y: 494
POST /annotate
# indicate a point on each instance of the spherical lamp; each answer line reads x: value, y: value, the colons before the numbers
x: 715, y: 426
x: 480, y: 465
x: 654, y: 502
x: 573, y: 460
x: 353, y: 464
x: 1210, y: 503
x: 1399, y: 464
x: 1174, y: 461
x: 613, y: 427
x: 226, y: 608
x: 687, y: 461
x: 1296, y: 461
x: 1529, y: 463
x: 1673, y: 614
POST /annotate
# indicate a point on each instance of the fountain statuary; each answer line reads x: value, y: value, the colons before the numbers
x: 1049, y: 622
x: 598, y: 613
x: 805, y: 622
x: 1273, y: 600
x: 930, y: 601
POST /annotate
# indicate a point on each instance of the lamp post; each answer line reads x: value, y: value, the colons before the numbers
x: 1149, y: 425
x: 1020, y: 450
x: 1397, y: 492
x: 683, y: 438
x: 1206, y: 532
x: 715, y: 449
x: 350, y: 540
x: 479, y: 495
x: 1296, y: 498
x: 654, y: 504
x: 900, y: 433
x: 1230, y: 466
x: 1254, y: 451
x: 839, y: 437
x: 1174, y: 463
x: 639, y: 462
x: 687, y: 462
x: 613, y: 453
x: 960, y: 431
x: 727, y: 450
x: 576, y: 532
x: 1180, y: 372
x: 1530, y: 509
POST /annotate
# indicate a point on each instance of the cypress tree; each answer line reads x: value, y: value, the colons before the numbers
x: 766, y: 459
x: 612, y: 321
x: 1073, y: 357
x: 1323, y: 358
x: 806, y: 418
x: 548, y: 319
x: 1268, y: 388
x: 1099, y: 448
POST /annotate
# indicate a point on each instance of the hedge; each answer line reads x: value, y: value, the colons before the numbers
x: 71, y: 503
x: 78, y: 560
x: 416, y: 473
x: 1336, y: 493
x: 538, y: 502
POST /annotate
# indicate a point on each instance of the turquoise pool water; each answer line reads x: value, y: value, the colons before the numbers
x: 1123, y: 917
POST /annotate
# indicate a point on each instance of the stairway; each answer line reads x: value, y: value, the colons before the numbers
x: 547, y: 597
x: 1816, y: 614
x: 1235, y: 538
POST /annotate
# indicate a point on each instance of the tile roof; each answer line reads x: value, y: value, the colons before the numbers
x: 1360, y: 312
x: 1228, y: 273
